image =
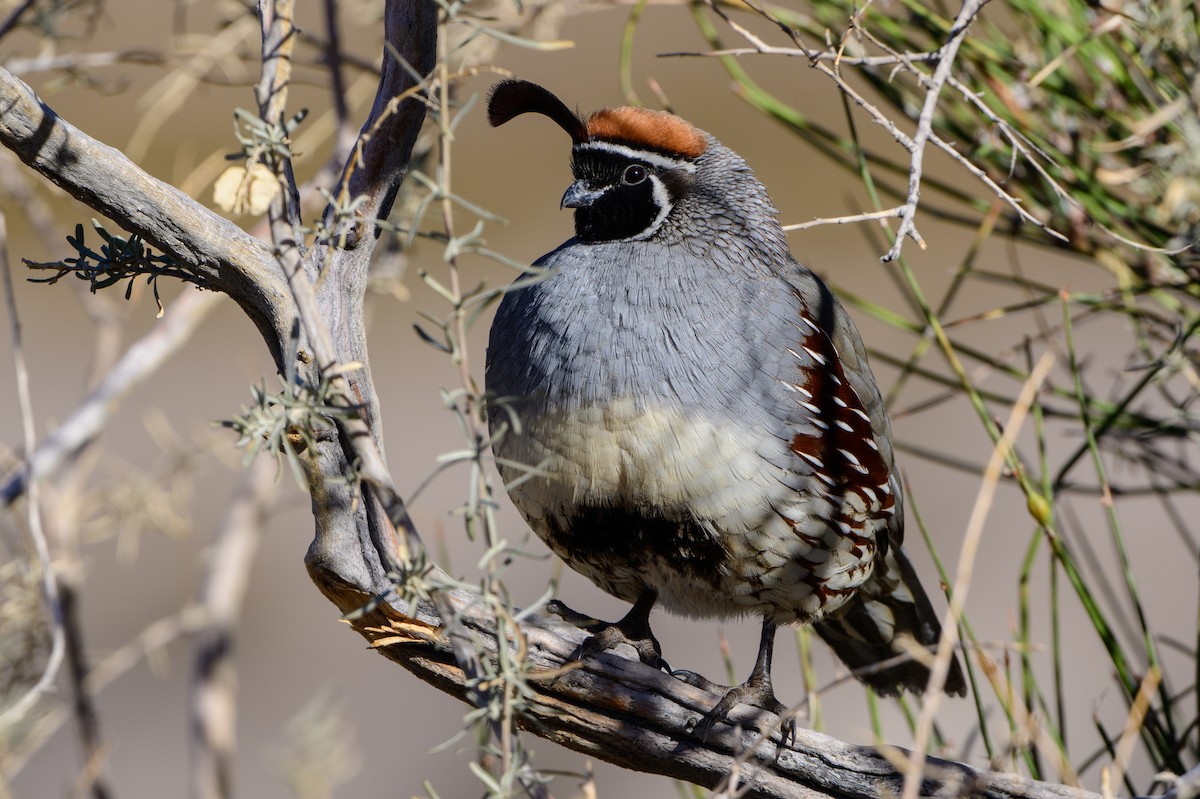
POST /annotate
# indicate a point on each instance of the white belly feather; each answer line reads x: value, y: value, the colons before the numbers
x: 681, y: 465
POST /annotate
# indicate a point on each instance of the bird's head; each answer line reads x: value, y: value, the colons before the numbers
x: 632, y: 166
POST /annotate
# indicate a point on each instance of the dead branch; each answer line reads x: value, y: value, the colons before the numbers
x: 624, y: 712
x: 222, y: 255
x: 142, y: 360
x: 214, y: 681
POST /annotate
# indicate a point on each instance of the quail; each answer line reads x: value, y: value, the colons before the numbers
x: 686, y: 416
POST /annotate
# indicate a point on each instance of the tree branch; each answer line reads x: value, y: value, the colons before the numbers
x: 619, y: 710
x: 222, y: 255
x: 214, y: 679
x: 143, y: 359
x: 350, y: 563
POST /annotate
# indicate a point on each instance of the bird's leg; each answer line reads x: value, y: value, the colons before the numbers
x: 756, y: 691
x: 633, y: 629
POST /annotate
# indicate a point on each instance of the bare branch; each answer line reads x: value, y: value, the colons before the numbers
x: 625, y: 712
x: 40, y: 546
x: 81, y: 62
x: 214, y: 684
x: 870, y: 216
x: 14, y: 17
x: 221, y: 254
x: 941, y: 74
x: 962, y: 581
x: 139, y: 362
x: 761, y: 48
x: 343, y: 138
x: 339, y: 557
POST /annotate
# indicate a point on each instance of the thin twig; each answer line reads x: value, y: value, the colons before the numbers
x: 278, y: 43
x: 888, y: 213
x: 901, y: 61
x: 343, y: 137
x: 89, y: 419
x: 86, y: 717
x: 925, y: 126
x: 962, y: 582
x: 14, y: 17
x: 799, y: 52
x: 45, y: 683
x: 82, y: 62
x: 214, y: 684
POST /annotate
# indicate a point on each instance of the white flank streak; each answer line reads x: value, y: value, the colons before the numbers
x: 818, y: 358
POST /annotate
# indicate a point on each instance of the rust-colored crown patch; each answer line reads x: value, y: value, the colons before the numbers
x: 654, y: 130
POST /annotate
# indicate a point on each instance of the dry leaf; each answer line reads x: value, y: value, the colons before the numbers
x: 240, y: 191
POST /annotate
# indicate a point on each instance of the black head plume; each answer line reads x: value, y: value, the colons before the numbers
x: 511, y: 98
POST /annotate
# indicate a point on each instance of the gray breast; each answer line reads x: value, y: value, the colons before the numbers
x: 651, y: 390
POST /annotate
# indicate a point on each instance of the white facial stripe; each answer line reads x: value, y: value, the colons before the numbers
x: 662, y: 198
x: 639, y: 155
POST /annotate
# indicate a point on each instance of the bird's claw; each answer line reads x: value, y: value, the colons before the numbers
x: 606, y: 636
x: 754, y: 693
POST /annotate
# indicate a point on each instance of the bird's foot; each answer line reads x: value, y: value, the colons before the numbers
x: 633, y: 630
x: 756, y: 691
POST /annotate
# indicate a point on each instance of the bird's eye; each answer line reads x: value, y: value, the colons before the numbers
x: 635, y: 174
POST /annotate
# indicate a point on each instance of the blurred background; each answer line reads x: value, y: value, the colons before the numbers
x: 320, y: 715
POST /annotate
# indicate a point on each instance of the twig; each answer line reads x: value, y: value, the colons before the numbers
x: 800, y: 52
x: 214, y: 684
x: 22, y: 706
x: 343, y: 137
x: 81, y: 61
x: 900, y: 60
x: 14, y: 17
x: 278, y: 43
x: 889, y: 213
x: 962, y: 581
x: 89, y: 419
x: 925, y: 126
x: 86, y: 718
x: 1114, y: 774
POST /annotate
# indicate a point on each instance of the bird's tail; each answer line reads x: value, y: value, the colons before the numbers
x: 864, y: 632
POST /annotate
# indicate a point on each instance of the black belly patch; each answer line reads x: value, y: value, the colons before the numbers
x: 617, y: 538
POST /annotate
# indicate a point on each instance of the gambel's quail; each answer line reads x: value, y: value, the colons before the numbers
x: 707, y: 433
